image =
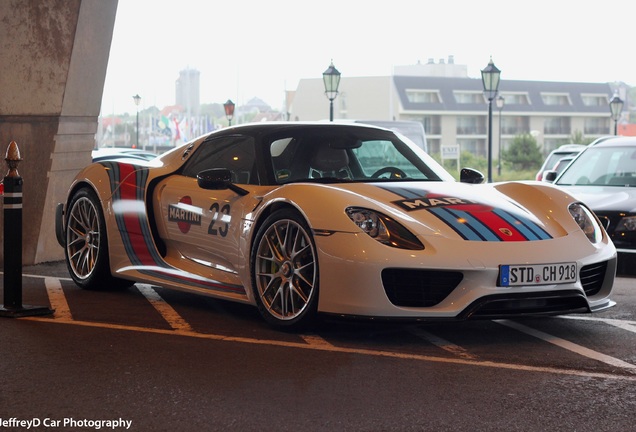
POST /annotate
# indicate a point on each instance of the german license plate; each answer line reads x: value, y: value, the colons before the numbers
x: 537, y: 274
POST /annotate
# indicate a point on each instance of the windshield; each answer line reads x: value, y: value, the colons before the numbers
x: 602, y: 166
x: 348, y: 157
x: 556, y: 157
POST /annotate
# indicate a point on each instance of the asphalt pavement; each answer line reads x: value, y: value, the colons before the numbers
x: 127, y: 361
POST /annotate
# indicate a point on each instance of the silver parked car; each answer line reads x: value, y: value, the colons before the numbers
x: 555, y: 155
x: 604, y: 177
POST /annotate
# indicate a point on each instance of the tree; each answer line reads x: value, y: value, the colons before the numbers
x: 523, y: 153
x: 578, y: 138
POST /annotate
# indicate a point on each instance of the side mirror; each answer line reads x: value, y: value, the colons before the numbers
x: 472, y: 176
x: 549, y: 176
x: 218, y: 179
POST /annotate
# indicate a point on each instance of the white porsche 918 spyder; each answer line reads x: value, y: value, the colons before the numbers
x: 301, y: 219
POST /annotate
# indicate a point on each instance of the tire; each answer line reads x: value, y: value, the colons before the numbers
x: 285, y: 271
x: 86, y: 247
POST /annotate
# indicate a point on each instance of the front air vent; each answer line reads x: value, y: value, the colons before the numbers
x: 419, y: 288
x: 592, y: 277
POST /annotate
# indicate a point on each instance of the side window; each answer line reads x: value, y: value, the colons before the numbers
x: 236, y: 153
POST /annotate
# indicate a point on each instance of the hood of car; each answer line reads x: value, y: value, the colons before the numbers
x: 474, y: 213
x: 490, y: 212
x: 606, y: 198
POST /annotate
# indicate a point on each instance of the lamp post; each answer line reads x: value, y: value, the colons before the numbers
x: 490, y: 79
x: 331, y: 79
x: 616, y: 107
x: 137, y: 100
x: 500, y: 104
x: 229, y: 111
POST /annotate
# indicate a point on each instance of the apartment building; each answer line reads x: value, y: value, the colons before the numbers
x: 454, y: 111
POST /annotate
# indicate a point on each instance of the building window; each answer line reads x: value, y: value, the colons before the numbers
x: 558, y: 99
x: 505, y: 144
x: 596, y: 126
x: 469, y: 97
x: 423, y: 96
x: 595, y: 100
x: 432, y: 125
x: 556, y: 126
x: 515, y: 125
x: 342, y: 100
x: 434, y: 146
x: 474, y: 146
x: 471, y: 125
x: 516, y: 98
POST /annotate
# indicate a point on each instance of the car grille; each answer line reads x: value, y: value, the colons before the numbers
x: 419, y: 288
x: 592, y: 277
x: 530, y: 304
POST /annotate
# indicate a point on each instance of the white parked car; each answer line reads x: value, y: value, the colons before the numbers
x: 300, y: 219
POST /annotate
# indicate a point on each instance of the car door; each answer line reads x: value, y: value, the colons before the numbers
x: 201, y: 225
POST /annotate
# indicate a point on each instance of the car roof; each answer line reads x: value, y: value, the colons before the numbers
x: 282, y: 125
x: 601, y: 139
x: 118, y: 150
x: 104, y: 153
x: 260, y: 128
x: 569, y: 148
x: 617, y: 141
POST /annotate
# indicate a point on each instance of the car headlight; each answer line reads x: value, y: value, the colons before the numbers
x: 586, y: 221
x: 627, y: 223
x: 383, y: 229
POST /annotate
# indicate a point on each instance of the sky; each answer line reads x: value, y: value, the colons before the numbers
x: 245, y: 49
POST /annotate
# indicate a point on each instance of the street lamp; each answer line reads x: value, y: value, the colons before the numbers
x: 137, y: 100
x: 616, y: 107
x: 229, y: 111
x: 500, y: 104
x: 331, y: 78
x: 490, y: 79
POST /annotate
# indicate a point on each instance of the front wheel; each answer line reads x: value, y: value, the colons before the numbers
x: 285, y: 271
x: 87, y: 245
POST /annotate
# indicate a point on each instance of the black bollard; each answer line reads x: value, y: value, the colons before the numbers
x: 13, y: 242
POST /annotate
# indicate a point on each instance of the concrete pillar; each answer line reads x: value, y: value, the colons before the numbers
x: 53, y: 59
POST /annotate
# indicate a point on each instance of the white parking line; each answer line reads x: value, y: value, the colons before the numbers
x: 173, y: 318
x: 348, y: 350
x: 57, y: 299
x: 570, y: 346
x: 442, y: 343
x: 621, y: 324
x: 181, y: 328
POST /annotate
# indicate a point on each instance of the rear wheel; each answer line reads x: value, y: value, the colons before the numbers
x: 285, y: 271
x: 87, y: 244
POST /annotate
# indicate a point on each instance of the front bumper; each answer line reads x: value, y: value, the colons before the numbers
x: 356, y: 285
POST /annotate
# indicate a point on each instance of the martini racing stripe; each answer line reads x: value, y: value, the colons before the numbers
x: 468, y: 230
x: 502, y: 229
x: 470, y: 219
x: 127, y: 183
x: 134, y: 231
x: 402, y: 191
x: 114, y: 175
x: 531, y: 230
